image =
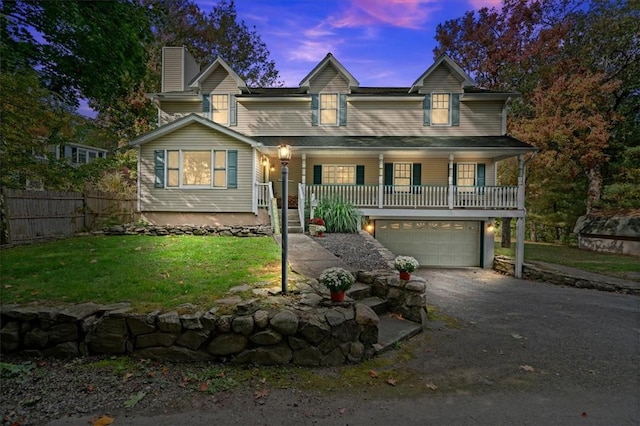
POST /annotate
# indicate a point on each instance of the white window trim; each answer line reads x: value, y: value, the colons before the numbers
x: 475, y: 174
x: 180, y: 170
x: 355, y: 171
x: 211, y: 108
x: 396, y: 187
x: 450, y: 119
x: 337, y: 109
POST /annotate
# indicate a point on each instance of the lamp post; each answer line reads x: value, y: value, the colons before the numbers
x: 284, y: 154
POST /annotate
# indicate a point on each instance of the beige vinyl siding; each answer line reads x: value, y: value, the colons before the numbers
x: 172, y: 69
x: 219, y: 81
x: 171, y: 110
x: 481, y: 118
x: 370, y: 166
x: 293, y: 118
x: 195, y: 136
x: 329, y: 80
x: 191, y: 68
x: 441, y: 80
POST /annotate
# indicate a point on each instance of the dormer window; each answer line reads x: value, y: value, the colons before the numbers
x: 329, y: 109
x: 220, y: 109
x: 440, y: 109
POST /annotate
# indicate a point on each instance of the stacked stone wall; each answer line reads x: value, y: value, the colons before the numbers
x: 250, y: 333
x: 203, y: 230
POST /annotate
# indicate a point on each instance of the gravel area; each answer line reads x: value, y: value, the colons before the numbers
x: 358, y: 251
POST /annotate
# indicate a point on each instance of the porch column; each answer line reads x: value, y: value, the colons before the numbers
x: 450, y: 182
x: 304, y: 169
x: 380, y: 180
x: 520, y: 220
x: 519, y: 247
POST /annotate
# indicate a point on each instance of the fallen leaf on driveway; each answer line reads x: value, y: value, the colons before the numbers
x: 103, y: 421
x: 204, y: 386
x: 584, y: 414
x: 262, y: 393
x: 342, y: 410
x: 526, y: 367
x: 516, y: 336
x: 397, y: 316
x: 373, y: 374
x: 432, y: 386
x: 392, y: 381
x: 131, y: 402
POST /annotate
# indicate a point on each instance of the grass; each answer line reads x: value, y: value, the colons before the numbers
x: 616, y: 265
x: 150, y: 272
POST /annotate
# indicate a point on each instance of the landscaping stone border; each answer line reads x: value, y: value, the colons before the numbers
x: 203, y: 230
x: 505, y: 265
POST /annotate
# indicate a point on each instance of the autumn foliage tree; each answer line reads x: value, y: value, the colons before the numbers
x: 576, y: 64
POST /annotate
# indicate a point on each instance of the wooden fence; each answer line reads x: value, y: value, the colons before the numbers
x: 29, y: 216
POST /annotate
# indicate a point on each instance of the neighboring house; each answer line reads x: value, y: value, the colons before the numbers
x: 75, y: 153
x: 78, y: 154
x: 420, y: 162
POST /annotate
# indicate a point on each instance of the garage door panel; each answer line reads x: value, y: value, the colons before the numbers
x: 433, y: 243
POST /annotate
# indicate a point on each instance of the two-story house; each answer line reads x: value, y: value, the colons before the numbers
x: 419, y: 162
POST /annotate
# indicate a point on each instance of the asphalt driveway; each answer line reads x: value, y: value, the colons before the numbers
x: 500, y: 351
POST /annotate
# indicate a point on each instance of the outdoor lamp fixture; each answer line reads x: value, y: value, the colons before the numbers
x: 265, y: 161
x: 284, y: 154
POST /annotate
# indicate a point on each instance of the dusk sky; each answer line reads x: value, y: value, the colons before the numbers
x: 381, y: 42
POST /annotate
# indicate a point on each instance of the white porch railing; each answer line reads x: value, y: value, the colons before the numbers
x: 495, y: 197
x: 264, y: 194
x: 419, y: 196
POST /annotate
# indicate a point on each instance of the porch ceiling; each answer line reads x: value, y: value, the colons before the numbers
x: 496, y: 147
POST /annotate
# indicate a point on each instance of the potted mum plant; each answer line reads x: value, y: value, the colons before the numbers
x: 337, y: 280
x: 313, y: 225
x: 320, y: 230
x: 405, y: 265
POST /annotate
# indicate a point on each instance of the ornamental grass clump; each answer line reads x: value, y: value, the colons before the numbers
x: 405, y: 264
x: 337, y: 279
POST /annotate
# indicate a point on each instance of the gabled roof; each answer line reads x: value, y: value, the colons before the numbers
x: 219, y: 62
x: 185, y: 121
x: 329, y: 59
x: 466, y: 80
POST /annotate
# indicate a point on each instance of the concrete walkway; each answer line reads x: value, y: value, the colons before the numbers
x: 309, y: 258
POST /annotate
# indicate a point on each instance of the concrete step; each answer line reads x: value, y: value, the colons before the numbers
x: 379, y: 306
x: 359, y: 291
x: 392, y: 330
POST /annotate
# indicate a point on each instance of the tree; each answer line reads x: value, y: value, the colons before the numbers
x: 91, y: 50
x: 576, y: 65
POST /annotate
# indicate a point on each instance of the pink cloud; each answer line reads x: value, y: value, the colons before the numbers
x: 410, y: 14
x: 479, y: 4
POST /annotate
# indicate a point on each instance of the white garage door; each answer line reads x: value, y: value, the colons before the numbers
x: 432, y: 243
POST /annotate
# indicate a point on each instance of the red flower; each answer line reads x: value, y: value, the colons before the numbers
x: 317, y: 221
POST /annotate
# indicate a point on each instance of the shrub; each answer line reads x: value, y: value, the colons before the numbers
x: 338, y: 215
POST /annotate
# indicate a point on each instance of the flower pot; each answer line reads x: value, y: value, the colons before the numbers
x: 320, y: 234
x: 312, y: 229
x: 337, y: 296
x: 405, y: 275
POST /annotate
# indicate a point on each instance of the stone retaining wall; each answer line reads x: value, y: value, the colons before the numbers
x: 303, y: 328
x: 407, y: 298
x: 205, y: 230
x: 505, y: 265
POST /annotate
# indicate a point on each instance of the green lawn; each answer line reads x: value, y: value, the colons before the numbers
x: 603, y: 263
x: 150, y: 272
